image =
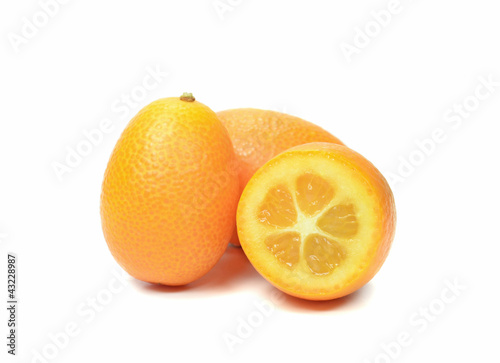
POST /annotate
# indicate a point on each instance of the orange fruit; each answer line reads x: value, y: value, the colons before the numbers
x: 317, y: 221
x: 170, y: 192
x: 260, y: 135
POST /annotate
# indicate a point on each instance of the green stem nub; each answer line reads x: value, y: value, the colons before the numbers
x: 188, y: 97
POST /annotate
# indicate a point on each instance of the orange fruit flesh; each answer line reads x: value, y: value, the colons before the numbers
x: 317, y: 221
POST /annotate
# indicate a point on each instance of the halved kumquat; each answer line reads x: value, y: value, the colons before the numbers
x: 317, y: 221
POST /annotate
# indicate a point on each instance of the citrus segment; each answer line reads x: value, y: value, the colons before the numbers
x: 313, y: 193
x: 339, y: 221
x: 285, y: 247
x: 278, y: 208
x: 322, y: 254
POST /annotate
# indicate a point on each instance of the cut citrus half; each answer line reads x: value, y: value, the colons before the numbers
x: 317, y: 221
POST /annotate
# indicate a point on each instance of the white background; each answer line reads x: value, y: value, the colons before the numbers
x: 281, y: 55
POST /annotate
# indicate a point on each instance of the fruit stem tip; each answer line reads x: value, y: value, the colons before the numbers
x: 187, y: 96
